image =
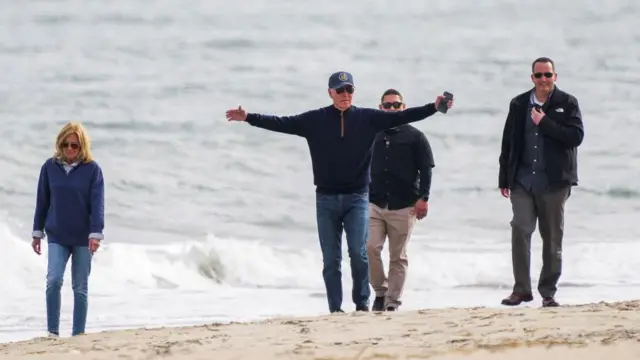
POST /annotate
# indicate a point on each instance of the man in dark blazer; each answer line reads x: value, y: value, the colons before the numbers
x: 538, y: 167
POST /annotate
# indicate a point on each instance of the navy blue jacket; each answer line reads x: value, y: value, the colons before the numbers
x: 69, y: 206
x: 340, y: 142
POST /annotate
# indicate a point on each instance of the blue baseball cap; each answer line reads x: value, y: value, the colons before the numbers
x: 340, y: 79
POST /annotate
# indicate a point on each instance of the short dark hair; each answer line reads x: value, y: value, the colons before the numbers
x: 543, y: 60
x: 391, y: 92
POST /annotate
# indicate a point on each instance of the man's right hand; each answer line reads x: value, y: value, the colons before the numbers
x: 505, y: 192
x: 238, y: 114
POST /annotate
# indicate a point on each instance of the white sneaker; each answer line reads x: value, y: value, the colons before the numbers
x: 53, y: 335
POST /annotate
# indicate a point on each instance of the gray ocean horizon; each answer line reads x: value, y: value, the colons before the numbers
x: 198, y: 202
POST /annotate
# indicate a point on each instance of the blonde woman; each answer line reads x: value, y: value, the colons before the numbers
x: 70, y: 213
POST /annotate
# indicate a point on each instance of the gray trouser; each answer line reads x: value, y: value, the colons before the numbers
x: 548, y: 210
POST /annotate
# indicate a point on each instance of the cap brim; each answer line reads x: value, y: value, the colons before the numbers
x: 342, y: 84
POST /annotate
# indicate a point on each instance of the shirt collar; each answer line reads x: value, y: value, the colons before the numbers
x: 61, y: 161
x: 533, y: 94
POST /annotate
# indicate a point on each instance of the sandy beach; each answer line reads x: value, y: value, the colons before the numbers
x: 593, y: 331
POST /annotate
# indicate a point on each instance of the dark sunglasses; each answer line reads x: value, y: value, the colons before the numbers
x: 395, y: 105
x: 348, y: 88
x: 548, y: 75
x: 74, y: 146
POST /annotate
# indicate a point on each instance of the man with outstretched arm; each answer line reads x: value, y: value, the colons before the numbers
x: 340, y: 138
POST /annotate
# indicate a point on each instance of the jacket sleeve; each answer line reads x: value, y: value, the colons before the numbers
x: 292, y: 125
x: 43, y: 196
x: 505, y: 150
x: 96, y: 207
x: 570, y: 133
x: 383, y: 120
x: 423, y: 158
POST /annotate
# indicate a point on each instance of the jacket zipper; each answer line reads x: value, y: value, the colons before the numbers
x: 341, y: 124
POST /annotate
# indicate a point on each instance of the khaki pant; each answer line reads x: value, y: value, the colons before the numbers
x: 397, y: 224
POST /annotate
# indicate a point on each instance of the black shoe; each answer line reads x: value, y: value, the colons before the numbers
x: 516, y: 299
x: 378, y: 304
x: 549, y: 302
x: 337, y: 311
x: 391, y: 308
x: 363, y: 308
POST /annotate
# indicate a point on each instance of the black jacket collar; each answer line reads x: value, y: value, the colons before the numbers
x: 557, y: 96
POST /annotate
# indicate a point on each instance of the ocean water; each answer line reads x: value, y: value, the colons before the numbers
x: 214, y: 221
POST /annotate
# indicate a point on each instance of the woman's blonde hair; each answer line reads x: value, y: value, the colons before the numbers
x: 84, y: 154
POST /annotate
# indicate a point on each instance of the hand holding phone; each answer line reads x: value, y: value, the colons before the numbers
x: 442, y: 105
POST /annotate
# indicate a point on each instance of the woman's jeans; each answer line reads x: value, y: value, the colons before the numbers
x: 58, y: 256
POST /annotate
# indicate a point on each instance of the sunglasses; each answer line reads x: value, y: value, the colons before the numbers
x: 389, y: 105
x: 74, y: 146
x: 548, y: 75
x: 348, y: 88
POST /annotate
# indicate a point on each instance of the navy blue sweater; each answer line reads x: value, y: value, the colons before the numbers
x: 340, y: 142
x: 69, y: 206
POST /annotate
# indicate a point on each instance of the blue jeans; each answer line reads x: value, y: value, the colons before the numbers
x: 58, y: 255
x: 351, y: 213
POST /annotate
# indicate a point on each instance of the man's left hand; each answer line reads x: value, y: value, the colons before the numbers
x: 441, y: 98
x: 94, y: 244
x: 537, y: 115
x: 420, y: 209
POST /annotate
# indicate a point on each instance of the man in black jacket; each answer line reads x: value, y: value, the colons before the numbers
x: 340, y: 137
x: 538, y: 167
x: 398, y: 195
